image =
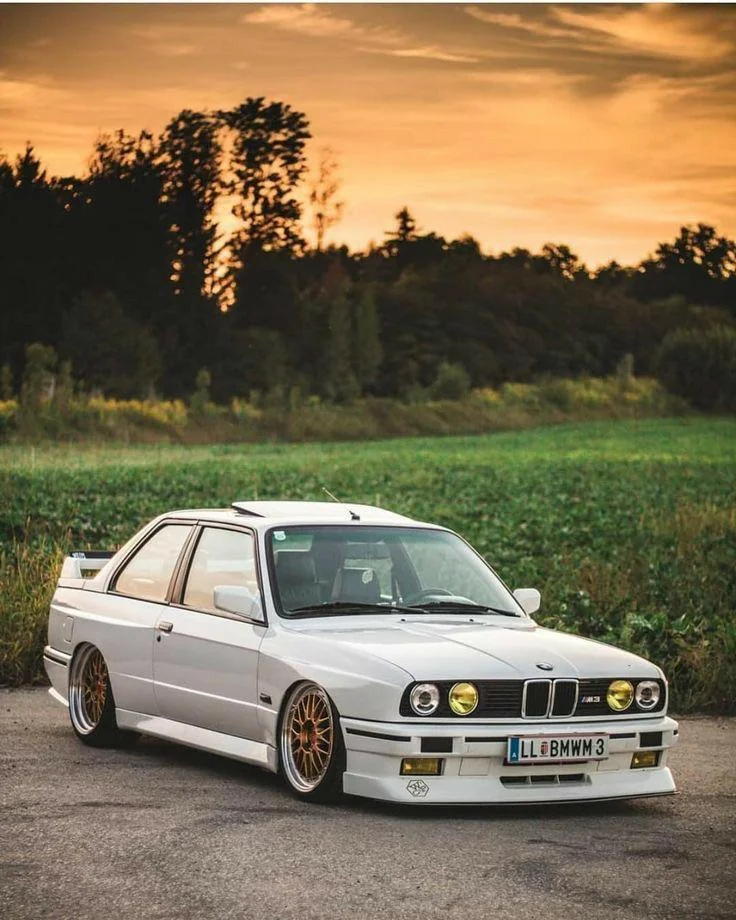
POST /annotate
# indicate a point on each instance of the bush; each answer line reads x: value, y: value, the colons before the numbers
x: 700, y: 365
x: 452, y: 382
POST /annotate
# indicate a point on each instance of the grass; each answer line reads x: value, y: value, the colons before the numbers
x: 628, y: 528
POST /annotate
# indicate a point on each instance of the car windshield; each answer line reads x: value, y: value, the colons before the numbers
x: 330, y: 570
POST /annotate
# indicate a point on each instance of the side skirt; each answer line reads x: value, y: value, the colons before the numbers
x: 253, y: 752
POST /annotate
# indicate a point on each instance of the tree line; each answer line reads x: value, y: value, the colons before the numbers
x: 126, y: 274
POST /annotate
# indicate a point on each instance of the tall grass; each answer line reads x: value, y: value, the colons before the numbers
x: 28, y: 574
x: 292, y: 417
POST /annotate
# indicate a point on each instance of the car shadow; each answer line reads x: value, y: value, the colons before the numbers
x: 217, y: 766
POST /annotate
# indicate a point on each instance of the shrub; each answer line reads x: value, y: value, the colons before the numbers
x: 452, y: 382
x: 700, y: 365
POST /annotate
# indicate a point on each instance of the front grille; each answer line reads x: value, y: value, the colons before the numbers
x: 592, y: 698
x: 531, y: 699
x: 536, y: 699
x: 498, y: 699
x: 565, y: 697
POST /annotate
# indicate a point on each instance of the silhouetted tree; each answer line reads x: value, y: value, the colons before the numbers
x: 191, y: 156
x: 326, y: 208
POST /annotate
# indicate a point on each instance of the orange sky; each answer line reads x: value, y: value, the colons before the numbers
x: 602, y: 126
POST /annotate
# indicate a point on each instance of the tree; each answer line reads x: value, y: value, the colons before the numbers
x: 326, y: 208
x: 267, y: 162
x: 33, y: 269
x: 123, y: 245
x: 38, y: 378
x: 700, y: 365
x: 367, y: 349
x: 190, y: 156
x: 699, y: 264
x: 562, y: 261
x: 110, y: 351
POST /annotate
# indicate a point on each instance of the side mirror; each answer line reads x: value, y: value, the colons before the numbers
x: 529, y: 599
x: 238, y: 600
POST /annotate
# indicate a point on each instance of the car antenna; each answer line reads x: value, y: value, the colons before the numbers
x: 353, y: 515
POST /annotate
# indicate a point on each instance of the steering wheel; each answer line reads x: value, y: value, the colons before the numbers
x: 426, y: 593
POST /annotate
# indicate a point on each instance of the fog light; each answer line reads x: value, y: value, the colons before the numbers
x: 463, y: 698
x: 644, y: 759
x: 620, y: 695
x: 421, y: 766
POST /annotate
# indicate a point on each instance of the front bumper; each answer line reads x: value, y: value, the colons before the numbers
x: 475, y: 770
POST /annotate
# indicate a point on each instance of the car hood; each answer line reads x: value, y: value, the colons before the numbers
x: 441, y: 648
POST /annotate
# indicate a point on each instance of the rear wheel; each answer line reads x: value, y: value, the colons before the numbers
x: 91, y: 703
x: 311, y: 748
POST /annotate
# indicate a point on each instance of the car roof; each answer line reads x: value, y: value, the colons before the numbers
x: 263, y: 514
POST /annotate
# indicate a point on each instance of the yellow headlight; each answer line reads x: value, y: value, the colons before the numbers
x: 463, y: 698
x: 620, y: 695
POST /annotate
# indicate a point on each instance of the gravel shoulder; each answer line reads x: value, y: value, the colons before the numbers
x: 168, y: 833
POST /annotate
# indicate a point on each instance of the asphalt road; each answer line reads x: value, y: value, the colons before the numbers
x: 168, y: 833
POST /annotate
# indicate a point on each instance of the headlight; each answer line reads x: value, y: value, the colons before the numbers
x: 463, y: 698
x: 620, y: 695
x: 424, y: 699
x: 647, y: 694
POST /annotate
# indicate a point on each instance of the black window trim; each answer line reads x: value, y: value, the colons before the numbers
x: 181, y: 573
x: 134, y: 550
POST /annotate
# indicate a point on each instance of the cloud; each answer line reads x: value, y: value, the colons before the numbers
x: 26, y: 93
x: 309, y: 19
x: 659, y: 30
x: 164, y: 42
x: 313, y: 21
x: 515, y: 21
x: 432, y: 53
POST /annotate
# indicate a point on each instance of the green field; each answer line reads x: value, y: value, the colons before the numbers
x: 628, y: 528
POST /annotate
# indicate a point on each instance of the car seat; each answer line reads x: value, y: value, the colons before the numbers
x: 296, y: 579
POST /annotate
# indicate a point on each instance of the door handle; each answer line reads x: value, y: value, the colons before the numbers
x: 164, y: 626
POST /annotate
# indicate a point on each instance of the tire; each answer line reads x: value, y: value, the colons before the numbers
x: 311, y: 747
x: 91, y: 703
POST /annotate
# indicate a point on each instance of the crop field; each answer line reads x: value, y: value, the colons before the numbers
x: 628, y: 528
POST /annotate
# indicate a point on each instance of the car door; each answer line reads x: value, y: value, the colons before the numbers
x: 128, y: 611
x: 205, y: 661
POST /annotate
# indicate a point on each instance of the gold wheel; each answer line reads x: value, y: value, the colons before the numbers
x: 94, y: 686
x: 307, y: 738
x: 88, y: 690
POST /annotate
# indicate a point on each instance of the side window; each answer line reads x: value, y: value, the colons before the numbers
x: 148, y: 573
x: 222, y: 557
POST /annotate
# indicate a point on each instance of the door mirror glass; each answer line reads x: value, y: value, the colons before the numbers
x: 238, y: 600
x: 529, y: 599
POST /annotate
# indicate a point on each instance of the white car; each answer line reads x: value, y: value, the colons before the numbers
x: 351, y: 649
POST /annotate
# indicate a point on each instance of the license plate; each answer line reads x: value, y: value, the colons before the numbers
x: 556, y: 748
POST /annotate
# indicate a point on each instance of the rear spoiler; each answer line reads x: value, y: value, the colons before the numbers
x: 87, y: 561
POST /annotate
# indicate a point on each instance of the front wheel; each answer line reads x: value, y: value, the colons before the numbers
x: 311, y: 748
x: 91, y: 703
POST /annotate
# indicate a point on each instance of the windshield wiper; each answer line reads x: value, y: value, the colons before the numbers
x: 335, y: 608
x: 459, y: 605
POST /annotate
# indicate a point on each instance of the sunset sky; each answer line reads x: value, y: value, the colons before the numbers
x: 602, y: 126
